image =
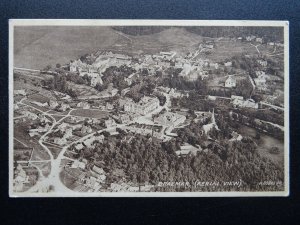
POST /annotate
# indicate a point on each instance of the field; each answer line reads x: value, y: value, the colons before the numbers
x: 224, y: 50
x: 38, y: 98
x: 83, y: 90
x: 20, y: 133
x: 90, y: 113
x: 42, y: 108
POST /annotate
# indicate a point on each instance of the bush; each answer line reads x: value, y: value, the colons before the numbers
x: 274, y: 150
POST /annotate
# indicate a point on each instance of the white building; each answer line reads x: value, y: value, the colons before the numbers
x: 78, y: 164
x: 260, y: 73
x: 228, y: 64
x: 84, y: 105
x: 60, y: 141
x: 259, y: 40
x: 260, y: 82
x: 64, y: 107
x: 264, y: 63
x: 96, y: 80
x: 186, y: 69
x: 86, y: 130
x: 77, y: 66
x: 110, y: 123
x: 53, y: 104
x: 230, y: 82
x: 109, y: 106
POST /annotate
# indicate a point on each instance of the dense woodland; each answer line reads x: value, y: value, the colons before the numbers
x: 147, y: 160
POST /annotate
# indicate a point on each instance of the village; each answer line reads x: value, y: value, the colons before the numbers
x: 62, y: 113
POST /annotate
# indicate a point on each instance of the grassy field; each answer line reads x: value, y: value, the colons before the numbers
x: 91, y: 113
x: 224, y: 50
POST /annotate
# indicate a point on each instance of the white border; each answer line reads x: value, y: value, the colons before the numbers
x: 76, y: 22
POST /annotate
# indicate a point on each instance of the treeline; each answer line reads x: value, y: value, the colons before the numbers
x: 142, y: 88
x: 116, y: 76
x: 183, y: 84
x: 267, y: 115
x: 193, y: 102
x: 140, y: 30
x: 59, y: 83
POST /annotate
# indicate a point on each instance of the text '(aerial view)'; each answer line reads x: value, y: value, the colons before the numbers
x: 148, y: 110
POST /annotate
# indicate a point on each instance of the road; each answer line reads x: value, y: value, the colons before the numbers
x: 256, y: 46
x: 272, y: 106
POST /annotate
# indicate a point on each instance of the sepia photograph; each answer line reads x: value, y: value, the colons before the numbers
x: 148, y: 108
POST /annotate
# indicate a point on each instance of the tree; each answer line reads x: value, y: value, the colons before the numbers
x: 47, y: 68
x: 274, y: 150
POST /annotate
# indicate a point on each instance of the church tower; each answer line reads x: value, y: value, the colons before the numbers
x: 213, y: 120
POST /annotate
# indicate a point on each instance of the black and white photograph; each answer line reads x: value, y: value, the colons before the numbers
x: 148, y: 108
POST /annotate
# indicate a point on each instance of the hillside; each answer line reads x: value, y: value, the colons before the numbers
x: 36, y: 47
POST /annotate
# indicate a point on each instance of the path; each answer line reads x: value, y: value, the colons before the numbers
x: 21, y: 142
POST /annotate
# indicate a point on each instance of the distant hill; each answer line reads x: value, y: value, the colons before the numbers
x: 37, y: 47
x: 272, y: 33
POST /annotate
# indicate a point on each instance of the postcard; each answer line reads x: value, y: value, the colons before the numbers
x: 148, y: 108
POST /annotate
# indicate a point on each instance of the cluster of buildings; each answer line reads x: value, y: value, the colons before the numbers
x: 90, y: 142
x: 238, y: 101
x: 62, y: 107
x: 91, y: 180
x: 66, y: 131
x: 261, y: 80
x: 143, y: 129
x: 124, y: 186
x: 251, y: 38
x: 143, y: 107
x: 42, y: 127
x: 186, y: 149
x: 169, y: 119
x: 20, y: 178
